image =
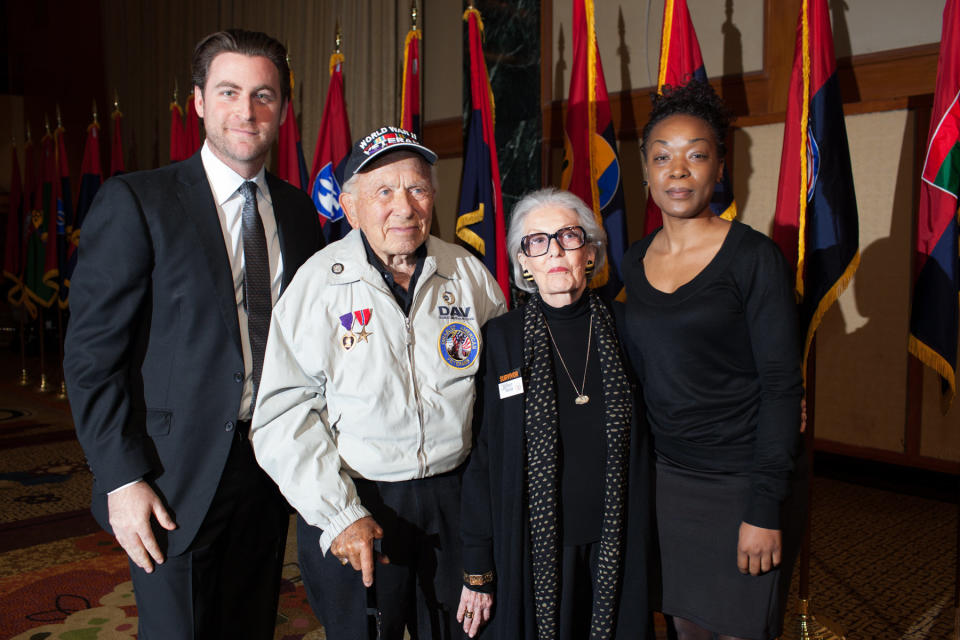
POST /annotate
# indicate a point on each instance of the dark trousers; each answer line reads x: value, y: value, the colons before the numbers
x: 419, y: 589
x: 227, y: 584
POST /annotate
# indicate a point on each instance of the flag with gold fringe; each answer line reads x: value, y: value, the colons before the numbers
x: 935, y: 316
x: 480, y: 224
x: 64, y: 216
x: 37, y: 288
x: 290, y: 163
x: 816, y: 222
x: 333, y: 143
x: 591, y: 167
x: 178, y: 135
x: 410, y: 105
x: 681, y: 62
x: 16, y: 220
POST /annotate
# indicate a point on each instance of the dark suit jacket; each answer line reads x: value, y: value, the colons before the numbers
x: 153, y: 359
x: 494, y: 515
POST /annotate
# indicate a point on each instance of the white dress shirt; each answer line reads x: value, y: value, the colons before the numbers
x: 224, y: 183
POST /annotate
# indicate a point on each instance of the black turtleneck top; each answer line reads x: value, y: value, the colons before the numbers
x: 582, y: 437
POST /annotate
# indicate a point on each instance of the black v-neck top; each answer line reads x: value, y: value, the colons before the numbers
x: 719, y: 363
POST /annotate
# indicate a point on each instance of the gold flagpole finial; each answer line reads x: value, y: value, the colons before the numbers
x: 176, y: 90
x: 59, y: 119
x: 95, y: 112
x: 413, y: 14
x: 27, y: 137
x: 46, y: 123
x: 116, y: 100
x: 338, y: 38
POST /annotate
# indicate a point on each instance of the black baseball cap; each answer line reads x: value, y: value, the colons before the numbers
x: 378, y: 142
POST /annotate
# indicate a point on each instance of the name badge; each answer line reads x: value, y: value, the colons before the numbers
x: 511, y: 384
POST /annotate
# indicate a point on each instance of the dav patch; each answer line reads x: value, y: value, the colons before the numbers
x: 458, y: 345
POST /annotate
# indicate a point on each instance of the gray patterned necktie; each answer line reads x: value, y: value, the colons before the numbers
x: 256, y: 280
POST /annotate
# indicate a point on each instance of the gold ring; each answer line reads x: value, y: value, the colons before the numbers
x: 344, y: 561
x: 468, y: 614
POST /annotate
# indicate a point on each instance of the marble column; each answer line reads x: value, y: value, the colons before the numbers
x: 511, y: 47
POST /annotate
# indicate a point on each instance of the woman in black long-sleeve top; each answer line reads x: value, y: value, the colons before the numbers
x: 711, y: 324
x: 556, y: 496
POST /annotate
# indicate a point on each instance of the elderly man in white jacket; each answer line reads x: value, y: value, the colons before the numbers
x: 363, y: 414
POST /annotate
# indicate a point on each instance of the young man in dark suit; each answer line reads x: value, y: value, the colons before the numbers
x: 178, y: 271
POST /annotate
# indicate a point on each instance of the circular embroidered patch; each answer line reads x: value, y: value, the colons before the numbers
x: 458, y: 345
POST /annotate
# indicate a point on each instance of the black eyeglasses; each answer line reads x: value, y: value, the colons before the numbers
x: 537, y: 244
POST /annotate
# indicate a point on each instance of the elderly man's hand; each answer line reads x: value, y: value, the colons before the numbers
x: 355, y: 545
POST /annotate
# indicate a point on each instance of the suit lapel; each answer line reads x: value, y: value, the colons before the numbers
x: 287, y: 236
x: 198, y: 206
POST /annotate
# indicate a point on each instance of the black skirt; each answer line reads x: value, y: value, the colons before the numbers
x: 698, y: 527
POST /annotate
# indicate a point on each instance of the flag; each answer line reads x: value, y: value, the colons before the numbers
x: 116, y: 144
x: 480, y: 220
x: 935, y: 317
x: 37, y: 288
x: 290, y: 163
x: 591, y: 168
x: 178, y: 135
x: 410, y: 106
x: 192, y: 138
x: 333, y: 143
x: 816, y: 219
x: 681, y: 62
x: 64, y: 218
x: 12, y: 261
x: 90, y: 178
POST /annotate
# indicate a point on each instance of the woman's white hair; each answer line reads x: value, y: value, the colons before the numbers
x: 551, y: 197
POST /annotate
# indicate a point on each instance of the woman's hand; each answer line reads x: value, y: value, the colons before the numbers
x: 758, y: 550
x: 474, y: 610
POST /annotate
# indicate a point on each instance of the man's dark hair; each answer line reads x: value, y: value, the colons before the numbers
x: 697, y: 99
x: 248, y: 43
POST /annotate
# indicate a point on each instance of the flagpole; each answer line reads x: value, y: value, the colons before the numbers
x: 24, y: 376
x: 810, y: 627
x: 62, y: 391
x: 44, y: 383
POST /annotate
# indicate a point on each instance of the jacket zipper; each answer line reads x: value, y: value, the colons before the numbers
x: 421, y: 435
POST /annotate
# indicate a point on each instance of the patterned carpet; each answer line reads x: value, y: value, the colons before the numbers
x: 882, y: 565
x: 79, y: 588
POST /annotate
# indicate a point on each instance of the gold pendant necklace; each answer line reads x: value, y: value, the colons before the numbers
x: 581, y: 398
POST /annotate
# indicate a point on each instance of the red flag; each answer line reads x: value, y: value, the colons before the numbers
x: 178, y: 136
x: 480, y: 223
x: 192, y: 140
x: 935, y: 316
x: 333, y: 143
x: 91, y: 177
x: 290, y: 163
x: 116, y: 143
x: 410, y: 107
x: 12, y: 260
x: 681, y: 62
x: 816, y: 223
x: 591, y: 167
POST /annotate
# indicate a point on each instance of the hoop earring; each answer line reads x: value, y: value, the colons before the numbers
x: 527, y: 276
x: 588, y: 269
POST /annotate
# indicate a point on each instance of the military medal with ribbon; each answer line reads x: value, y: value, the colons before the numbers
x: 363, y: 317
x: 348, y: 340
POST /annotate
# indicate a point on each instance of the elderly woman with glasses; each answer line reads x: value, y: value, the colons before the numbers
x: 555, y: 497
